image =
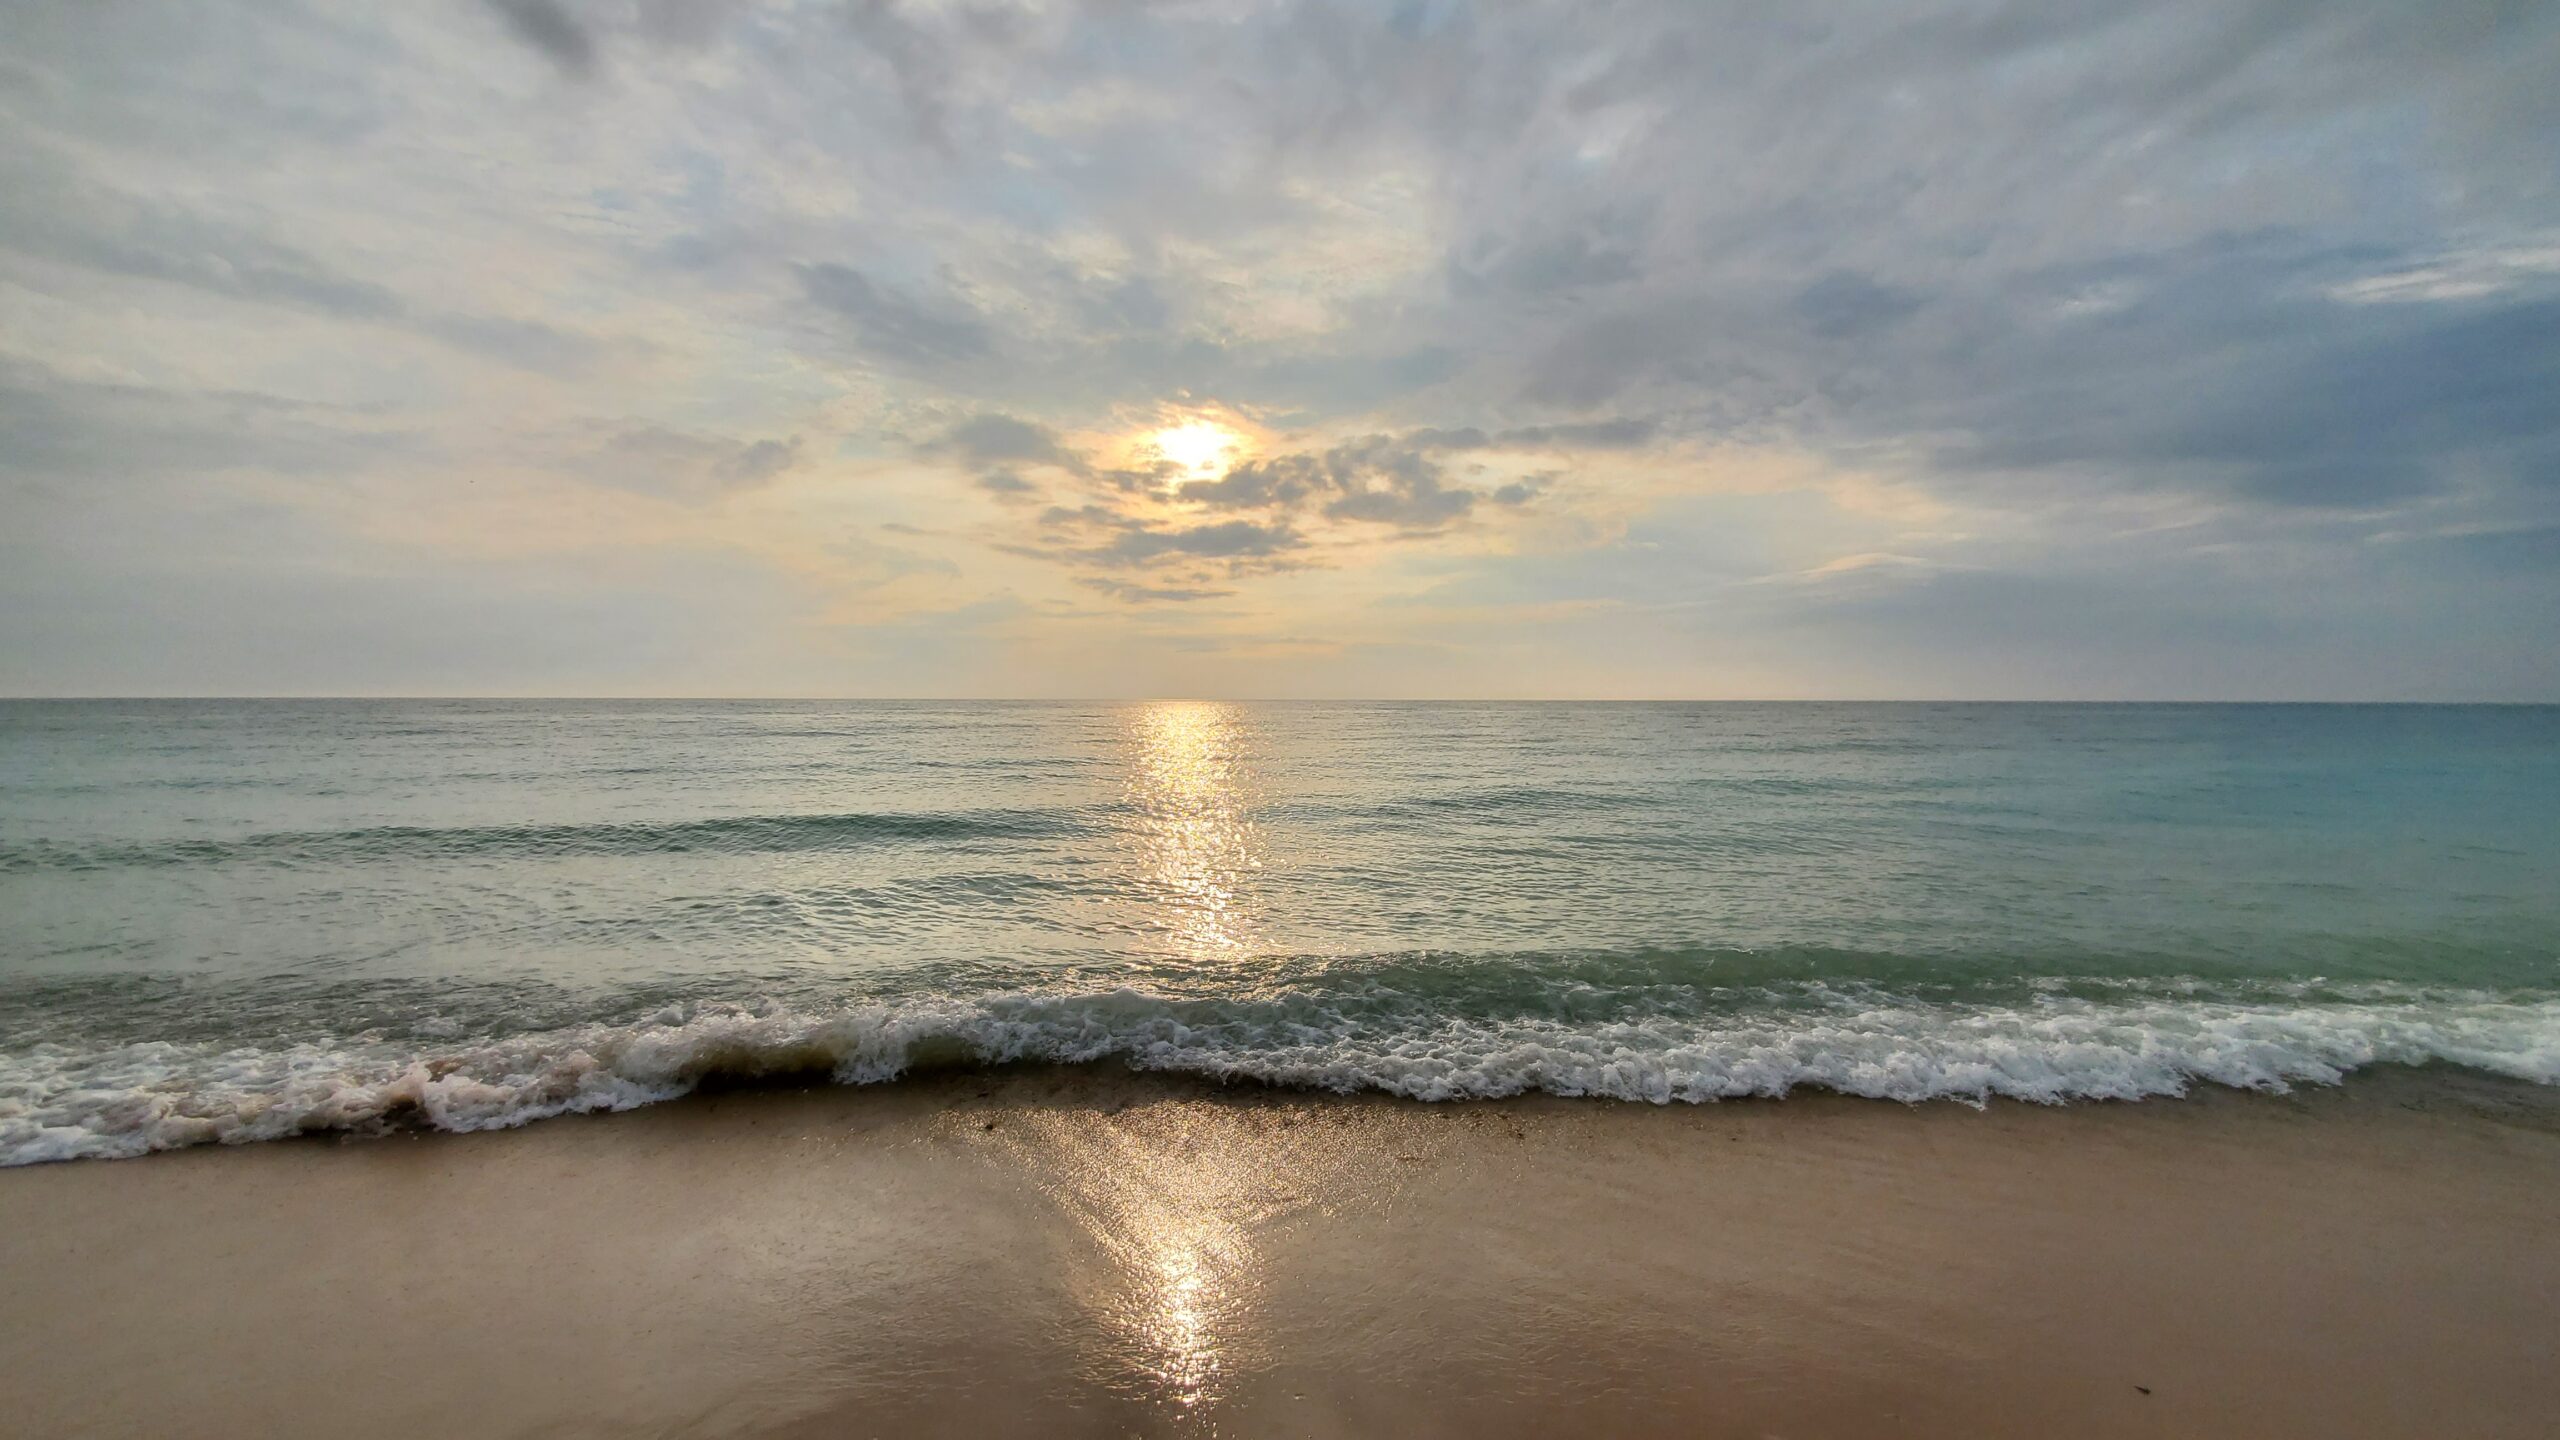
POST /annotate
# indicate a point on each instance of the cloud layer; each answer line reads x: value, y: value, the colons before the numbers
x: 1647, y: 347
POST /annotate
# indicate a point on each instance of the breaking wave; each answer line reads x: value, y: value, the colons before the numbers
x: 2125, y: 1041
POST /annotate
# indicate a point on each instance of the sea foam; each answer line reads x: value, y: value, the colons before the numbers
x: 2156, y: 1040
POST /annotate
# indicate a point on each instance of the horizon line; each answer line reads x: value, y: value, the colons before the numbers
x: 530, y: 698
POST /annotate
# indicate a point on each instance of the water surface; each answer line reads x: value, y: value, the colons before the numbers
x: 231, y: 920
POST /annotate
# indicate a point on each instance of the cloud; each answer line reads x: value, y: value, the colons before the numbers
x: 1845, y: 306
x: 1616, y: 434
x: 1394, y: 480
x: 915, y: 59
x: 1223, y: 540
x: 999, y: 447
x: 1862, y: 573
x: 1132, y: 304
x: 758, y: 462
x: 1576, y: 260
x: 993, y: 439
x: 1621, y: 433
x: 1291, y: 507
x: 676, y: 463
x: 122, y: 433
x: 1006, y: 485
x: 893, y: 325
x: 1281, y: 482
x: 1385, y: 483
x: 2177, y: 310
x: 1376, y: 480
x: 547, y: 26
x: 2464, y: 276
x: 58, y: 215
x: 2235, y: 374
x: 1150, y: 594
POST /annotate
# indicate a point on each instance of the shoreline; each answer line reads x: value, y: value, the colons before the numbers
x: 2149, y: 1040
x: 1061, y: 1251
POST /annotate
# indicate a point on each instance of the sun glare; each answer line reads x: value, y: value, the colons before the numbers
x: 1203, y: 448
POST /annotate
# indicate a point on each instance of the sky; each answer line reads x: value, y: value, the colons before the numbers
x: 1248, y: 348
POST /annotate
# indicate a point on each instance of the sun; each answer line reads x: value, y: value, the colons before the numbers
x: 1203, y: 448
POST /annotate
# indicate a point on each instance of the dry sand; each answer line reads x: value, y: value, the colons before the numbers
x: 1063, y: 1253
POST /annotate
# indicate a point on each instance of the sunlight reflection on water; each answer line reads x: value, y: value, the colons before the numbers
x: 1197, y: 844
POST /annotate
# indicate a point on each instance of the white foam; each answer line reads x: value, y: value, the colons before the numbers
x: 58, y: 1104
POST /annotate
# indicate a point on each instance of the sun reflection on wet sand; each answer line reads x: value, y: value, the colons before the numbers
x: 1170, y: 1215
x: 1196, y: 839
x: 1175, y: 1320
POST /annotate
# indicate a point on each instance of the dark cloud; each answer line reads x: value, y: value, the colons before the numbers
x: 1383, y: 482
x: 993, y: 439
x: 1143, y: 480
x: 1062, y: 516
x: 915, y: 58
x: 2240, y: 373
x: 1395, y: 482
x: 894, y: 325
x: 998, y: 447
x: 1280, y: 482
x: 547, y: 26
x: 1378, y: 479
x: 685, y: 22
x: 1224, y: 540
x: 1844, y: 306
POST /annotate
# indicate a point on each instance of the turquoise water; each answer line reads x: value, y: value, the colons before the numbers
x: 234, y: 920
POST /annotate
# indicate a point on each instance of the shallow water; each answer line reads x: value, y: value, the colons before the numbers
x: 232, y: 920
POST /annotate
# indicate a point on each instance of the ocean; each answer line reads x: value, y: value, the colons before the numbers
x: 239, y: 920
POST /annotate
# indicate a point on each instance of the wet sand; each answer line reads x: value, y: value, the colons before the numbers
x: 1073, y: 1253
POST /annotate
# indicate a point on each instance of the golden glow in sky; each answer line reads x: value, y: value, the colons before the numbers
x: 1203, y: 448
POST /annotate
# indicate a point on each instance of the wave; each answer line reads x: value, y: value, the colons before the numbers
x: 734, y: 834
x: 57, y: 1103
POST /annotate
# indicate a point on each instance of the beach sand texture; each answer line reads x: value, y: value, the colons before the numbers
x: 1096, y: 1253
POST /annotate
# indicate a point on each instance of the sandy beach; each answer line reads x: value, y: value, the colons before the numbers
x: 1058, y: 1252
